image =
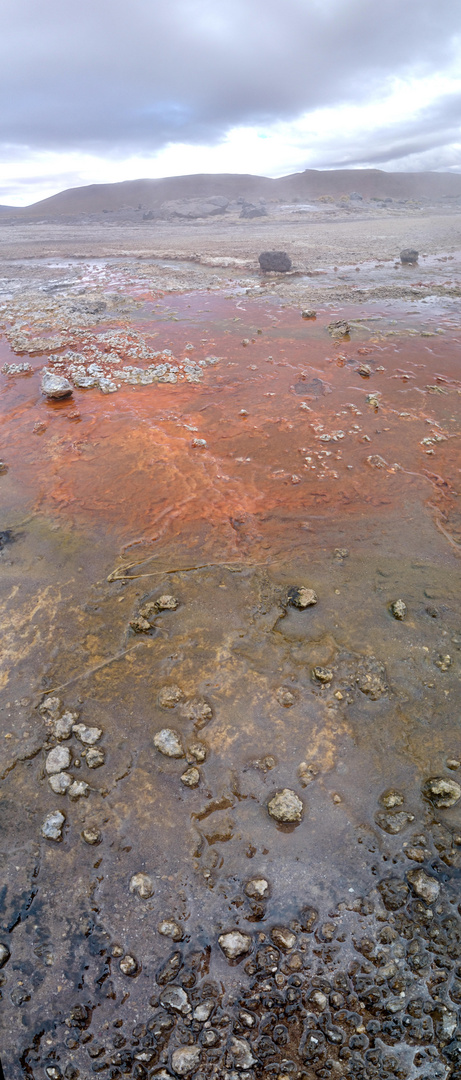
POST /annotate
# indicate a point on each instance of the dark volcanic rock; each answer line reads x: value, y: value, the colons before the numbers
x: 409, y: 255
x: 251, y: 211
x: 275, y: 260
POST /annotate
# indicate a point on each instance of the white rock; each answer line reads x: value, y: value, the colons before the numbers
x: 53, y: 825
x: 79, y: 790
x: 174, y: 997
x: 55, y: 386
x: 234, y: 944
x: 286, y: 806
x: 60, y: 782
x: 167, y: 741
x: 424, y: 885
x: 86, y: 735
x: 185, y: 1059
x: 257, y: 888
x: 58, y: 759
x: 142, y: 885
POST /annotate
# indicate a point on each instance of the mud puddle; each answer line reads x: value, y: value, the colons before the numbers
x: 230, y: 742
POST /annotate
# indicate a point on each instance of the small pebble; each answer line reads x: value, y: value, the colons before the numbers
x: 441, y: 791
x: 174, y: 997
x: 285, y: 697
x: 53, y: 825
x: 322, y: 674
x: 392, y: 798
x: 142, y: 885
x: 168, y: 742
x: 235, y: 944
x: 257, y: 888
x: 197, y: 751
x: 79, y: 790
x: 62, y: 727
x: 198, y: 712
x: 60, y: 782
x: 424, y: 885
x: 58, y: 759
x: 283, y: 937
x: 87, y: 735
x: 300, y: 597
x: 91, y: 836
x: 169, y: 696
x: 308, y: 313
x: 286, y: 807
x: 129, y: 965
x: 167, y: 603
x: 95, y: 758
x: 186, y: 1059
x: 191, y: 777
x: 399, y: 609
x: 169, y: 928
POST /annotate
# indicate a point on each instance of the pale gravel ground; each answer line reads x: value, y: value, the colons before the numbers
x: 201, y: 254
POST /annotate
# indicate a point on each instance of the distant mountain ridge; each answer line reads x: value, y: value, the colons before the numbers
x: 304, y: 186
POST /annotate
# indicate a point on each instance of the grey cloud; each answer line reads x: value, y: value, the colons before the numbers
x: 118, y: 77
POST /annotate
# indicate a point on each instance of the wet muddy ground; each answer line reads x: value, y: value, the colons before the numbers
x: 230, y: 769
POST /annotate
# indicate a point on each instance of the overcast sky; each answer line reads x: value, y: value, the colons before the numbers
x: 94, y: 91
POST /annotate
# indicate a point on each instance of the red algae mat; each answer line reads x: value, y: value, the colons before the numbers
x: 288, y: 425
x: 231, y: 756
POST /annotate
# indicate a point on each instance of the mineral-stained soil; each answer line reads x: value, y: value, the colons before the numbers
x: 231, y: 835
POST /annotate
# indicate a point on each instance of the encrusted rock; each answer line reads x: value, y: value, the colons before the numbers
x: 4, y: 954
x: 257, y: 888
x: 283, y: 937
x: 50, y: 708
x: 175, y: 998
x: 142, y: 885
x: 86, y: 735
x: 203, y: 1012
x: 167, y: 603
x: 60, y: 782
x: 197, y: 751
x: 169, y: 696
x: 140, y: 625
x: 55, y: 386
x: 169, y: 928
x: 58, y: 759
x: 186, y: 1059
x: 241, y: 1053
x: 301, y: 597
x: 393, y: 823
x: 53, y: 825
x: 168, y: 742
x: 235, y: 944
x: 441, y: 791
x: 399, y: 609
x: 198, y: 712
x: 91, y: 835
x: 308, y: 313
x: 129, y: 965
x: 191, y: 777
x: 94, y: 758
x: 322, y: 674
x: 371, y: 677
x: 78, y: 790
x: 277, y: 261
x: 285, y: 697
x: 62, y: 727
x: 286, y: 806
x: 424, y: 885
x: 392, y: 798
